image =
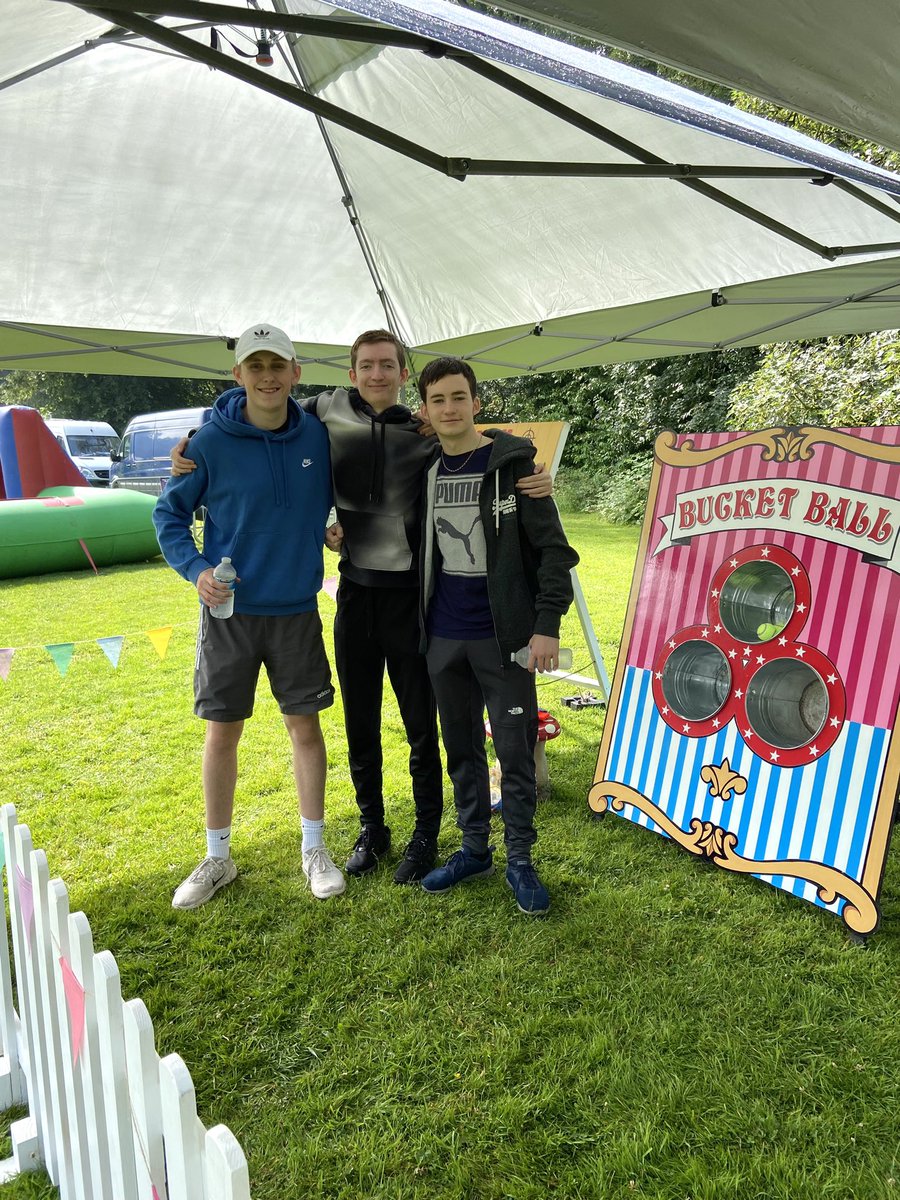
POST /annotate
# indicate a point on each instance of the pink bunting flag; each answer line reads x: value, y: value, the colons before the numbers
x: 61, y: 653
x: 330, y: 587
x: 75, y: 1005
x: 26, y: 903
x: 154, y: 1194
x: 6, y: 657
x: 111, y: 647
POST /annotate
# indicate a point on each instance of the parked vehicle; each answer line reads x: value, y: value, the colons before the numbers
x: 89, y: 444
x: 142, y: 459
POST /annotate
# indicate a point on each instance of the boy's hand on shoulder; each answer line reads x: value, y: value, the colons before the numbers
x: 334, y: 537
x: 426, y: 429
x: 180, y: 464
x: 539, y: 485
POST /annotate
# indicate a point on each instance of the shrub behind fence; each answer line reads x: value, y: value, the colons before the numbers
x: 107, y: 1118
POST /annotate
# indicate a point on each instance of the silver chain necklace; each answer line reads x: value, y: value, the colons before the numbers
x: 456, y: 470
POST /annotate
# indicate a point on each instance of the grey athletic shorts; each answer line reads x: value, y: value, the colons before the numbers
x: 230, y: 653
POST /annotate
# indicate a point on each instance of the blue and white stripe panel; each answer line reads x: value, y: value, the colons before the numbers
x: 821, y: 812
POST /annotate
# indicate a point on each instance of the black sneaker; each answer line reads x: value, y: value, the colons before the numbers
x: 371, y: 846
x: 418, y: 859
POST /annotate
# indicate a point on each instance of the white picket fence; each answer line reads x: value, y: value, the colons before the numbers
x: 112, y: 1121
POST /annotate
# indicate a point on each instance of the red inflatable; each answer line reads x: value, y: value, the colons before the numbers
x: 31, y: 459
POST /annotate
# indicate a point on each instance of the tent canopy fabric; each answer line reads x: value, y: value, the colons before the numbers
x: 833, y: 61
x: 479, y: 188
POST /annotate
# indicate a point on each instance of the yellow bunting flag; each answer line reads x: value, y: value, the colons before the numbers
x: 160, y: 639
x: 6, y: 657
x: 61, y: 653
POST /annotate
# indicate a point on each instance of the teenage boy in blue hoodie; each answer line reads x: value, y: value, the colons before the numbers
x: 263, y: 474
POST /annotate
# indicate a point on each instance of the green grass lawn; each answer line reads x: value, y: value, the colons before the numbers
x: 669, y: 1031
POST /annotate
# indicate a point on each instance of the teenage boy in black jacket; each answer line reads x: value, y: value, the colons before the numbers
x: 495, y: 576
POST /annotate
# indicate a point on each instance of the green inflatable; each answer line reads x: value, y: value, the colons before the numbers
x: 67, y: 528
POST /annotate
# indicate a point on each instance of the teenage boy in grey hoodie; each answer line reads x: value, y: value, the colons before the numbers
x: 495, y: 576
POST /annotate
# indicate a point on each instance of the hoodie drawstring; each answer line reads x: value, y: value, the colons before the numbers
x: 376, y: 484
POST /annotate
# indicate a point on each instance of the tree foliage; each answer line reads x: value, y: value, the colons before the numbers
x: 846, y: 381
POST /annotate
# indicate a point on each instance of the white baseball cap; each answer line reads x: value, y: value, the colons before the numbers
x: 264, y: 337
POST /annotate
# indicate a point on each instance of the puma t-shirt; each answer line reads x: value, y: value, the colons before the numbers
x: 460, y: 608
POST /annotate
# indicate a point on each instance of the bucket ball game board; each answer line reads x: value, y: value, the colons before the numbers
x: 754, y: 711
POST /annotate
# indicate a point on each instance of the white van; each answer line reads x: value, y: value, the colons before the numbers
x: 89, y: 445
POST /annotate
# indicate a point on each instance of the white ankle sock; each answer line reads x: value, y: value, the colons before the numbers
x: 218, y: 842
x: 313, y: 833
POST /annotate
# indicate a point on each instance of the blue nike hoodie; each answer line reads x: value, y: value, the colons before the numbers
x: 267, y: 496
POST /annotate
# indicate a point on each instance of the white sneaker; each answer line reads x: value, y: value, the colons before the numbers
x: 204, y: 881
x: 325, y: 879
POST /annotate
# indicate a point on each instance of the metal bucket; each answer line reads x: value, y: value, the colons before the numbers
x: 787, y: 703
x: 696, y: 680
x: 756, y: 602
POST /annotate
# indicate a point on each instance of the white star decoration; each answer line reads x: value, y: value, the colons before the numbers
x: 795, y: 570
x: 774, y: 756
x: 716, y: 723
x: 814, y: 750
x: 800, y: 652
x: 832, y: 678
x: 746, y: 652
x: 760, y: 659
x: 765, y: 552
x: 734, y: 562
x: 801, y: 608
x: 834, y: 721
x: 717, y: 628
x: 739, y: 693
x: 714, y: 594
x: 685, y: 729
x: 782, y: 641
x: 705, y: 633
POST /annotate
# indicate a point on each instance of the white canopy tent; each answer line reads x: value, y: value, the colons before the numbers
x: 829, y: 59
x: 481, y: 189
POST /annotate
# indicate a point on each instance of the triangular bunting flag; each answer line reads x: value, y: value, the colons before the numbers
x: 61, y: 653
x: 75, y: 1004
x: 160, y: 639
x: 26, y: 903
x: 330, y: 587
x: 6, y: 657
x: 111, y: 647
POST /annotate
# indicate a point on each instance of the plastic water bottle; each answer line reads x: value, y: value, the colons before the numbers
x: 563, y: 658
x: 224, y: 573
